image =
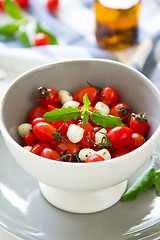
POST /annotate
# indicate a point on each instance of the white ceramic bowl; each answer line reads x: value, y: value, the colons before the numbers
x: 81, y: 187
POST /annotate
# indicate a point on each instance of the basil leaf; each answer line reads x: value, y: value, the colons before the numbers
x: 5, y: 37
x: 13, y: 9
x: 157, y: 182
x: 85, y: 117
x: 143, y: 184
x: 105, y: 121
x: 10, y: 28
x: 86, y: 102
x: 64, y: 114
x: 22, y: 36
x: 52, y: 38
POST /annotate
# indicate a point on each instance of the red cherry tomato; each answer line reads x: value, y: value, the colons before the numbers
x: 22, y: 3
x: 120, y: 136
x: 136, y: 141
x: 37, y: 148
x: 91, y: 92
x: 94, y: 158
x: 139, y: 123
x: 62, y: 126
x: 48, y: 96
x: 109, y: 96
x: 41, y: 39
x: 44, y: 132
x: 2, y: 5
x: 68, y: 148
x: 88, y: 132
x: 121, y: 110
x: 37, y: 120
x: 50, y: 108
x: 50, y: 153
x: 52, y: 5
x: 120, y: 152
x: 29, y: 140
x: 38, y: 111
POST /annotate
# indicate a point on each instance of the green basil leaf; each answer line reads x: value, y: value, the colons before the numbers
x: 105, y: 121
x: 157, y: 182
x: 22, y: 36
x: 10, y: 28
x: 86, y: 102
x: 64, y: 114
x: 142, y: 184
x: 5, y: 37
x: 85, y: 117
x: 13, y: 9
x: 51, y: 37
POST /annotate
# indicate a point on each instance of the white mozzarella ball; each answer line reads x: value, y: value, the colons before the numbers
x: 71, y: 104
x: 104, y: 153
x: 100, y: 135
x: 24, y: 129
x: 85, y: 153
x: 28, y: 148
x: 65, y: 96
x: 102, y: 108
x: 75, y: 133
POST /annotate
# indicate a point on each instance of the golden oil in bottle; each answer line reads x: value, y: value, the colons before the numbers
x: 116, y: 23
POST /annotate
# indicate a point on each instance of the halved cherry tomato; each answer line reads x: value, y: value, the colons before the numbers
x: 37, y: 120
x: 88, y: 132
x: 94, y: 158
x: 120, y: 136
x: 109, y: 96
x: 37, y: 148
x: 139, y: 123
x: 62, y: 126
x: 50, y: 153
x: 29, y: 140
x: 136, y: 141
x: 43, y: 131
x: 48, y: 96
x: 38, y: 111
x: 41, y: 39
x: 121, y: 110
x: 52, y: 5
x: 91, y: 92
x: 121, y: 152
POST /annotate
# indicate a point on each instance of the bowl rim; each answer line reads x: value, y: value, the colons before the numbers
x: 6, y: 134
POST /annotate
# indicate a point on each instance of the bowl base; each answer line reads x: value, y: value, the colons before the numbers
x: 83, y: 201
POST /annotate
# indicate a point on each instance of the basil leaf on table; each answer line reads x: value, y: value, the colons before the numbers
x: 13, y: 9
x: 157, y: 182
x: 10, y: 28
x: 22, y: 36
x: 142, y: 184
x: 105, y: 120
x: 51, y: 37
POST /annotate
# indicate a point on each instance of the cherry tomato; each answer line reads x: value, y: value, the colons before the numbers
x: 37, y: 120
x: 50, y: 153
x: 48, y: 96
x: 44, y: 132
x: 97, y: 129
x: 41, y: 39
x: 120, y: 136
x: 62, y: 126
x: 136, y: 141
x: 88, y: 132
x: 29, y: 140
x: 2, y: 5
x: 37, y: 148
x: 109, y: 96
x: 94, y: 158
x: 91, y: 92
x: 120, y: 152
x: 50, y: 108
x: 139, y: 123
x: 52, y: 5
x: 121, y: 110
x: 38, y: 111
x: 22, y: 3
x: 67, y: 147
